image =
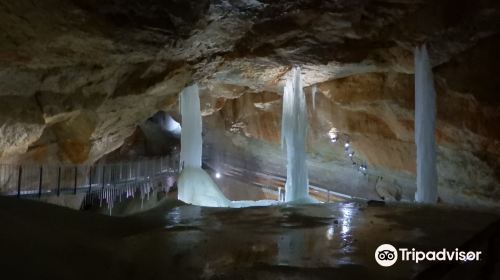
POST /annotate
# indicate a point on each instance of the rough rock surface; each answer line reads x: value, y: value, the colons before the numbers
x: 77, y: 77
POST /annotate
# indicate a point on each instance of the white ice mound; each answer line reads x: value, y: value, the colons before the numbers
x: 253, y: 203
x: 197, y: 187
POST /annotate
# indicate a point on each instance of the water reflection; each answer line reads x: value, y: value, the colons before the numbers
x: 174, y: 217
x: 319, y: 236
x: 347, y: 213
x: 330, y: 232
x: 291, y: 248
x: 185, y: 215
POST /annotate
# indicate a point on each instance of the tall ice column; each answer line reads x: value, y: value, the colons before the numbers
x: 425, y: 126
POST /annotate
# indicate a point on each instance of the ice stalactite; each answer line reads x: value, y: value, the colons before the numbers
x: 195, y: 185
x: 425, y: 126
x: 293, y: 136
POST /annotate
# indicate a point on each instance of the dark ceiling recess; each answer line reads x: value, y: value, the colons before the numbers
x: 170, y: 15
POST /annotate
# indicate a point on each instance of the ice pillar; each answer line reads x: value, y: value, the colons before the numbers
x: 293, y: 136
x: 195, y: 185
x: 425, y: 126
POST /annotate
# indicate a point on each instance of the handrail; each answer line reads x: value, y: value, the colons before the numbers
x: 113, y: 181
x: 327, y: 193
x: 49, y: 179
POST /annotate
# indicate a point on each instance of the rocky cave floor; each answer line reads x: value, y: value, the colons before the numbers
x: 178, y: 241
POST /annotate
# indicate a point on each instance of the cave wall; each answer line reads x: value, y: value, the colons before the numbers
x: 75, y: 82
x: 374, y: 112
x: 78, y: 77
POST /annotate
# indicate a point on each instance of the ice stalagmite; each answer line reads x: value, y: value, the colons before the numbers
x: 425, y: 126
x: 293, y: 137
x: 195, y: 185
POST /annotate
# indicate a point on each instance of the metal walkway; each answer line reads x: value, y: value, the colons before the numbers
x: 101, y: 181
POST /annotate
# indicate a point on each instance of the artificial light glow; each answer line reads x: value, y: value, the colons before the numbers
x: 217, y: 175
x: 172, y: 125
x: 362, y: 168
x: 330, y: 232
x: 333, y: 134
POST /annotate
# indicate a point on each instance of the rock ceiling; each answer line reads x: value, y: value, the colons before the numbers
x: 77, y: 77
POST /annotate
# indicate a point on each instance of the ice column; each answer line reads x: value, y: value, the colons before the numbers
x: 425, y: 125
x: 195, y: 185
x: 293, y: 137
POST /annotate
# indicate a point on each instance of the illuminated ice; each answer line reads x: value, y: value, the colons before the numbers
x: 195, y: 185
x: 425, y: 125
x: 191, y: 141
x: 293, y: 139
x: 252, y: 203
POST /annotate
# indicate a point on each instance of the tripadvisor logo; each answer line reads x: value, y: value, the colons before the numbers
x: 387, y: 255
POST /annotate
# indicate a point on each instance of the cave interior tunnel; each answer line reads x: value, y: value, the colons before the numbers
x: 250, y: 139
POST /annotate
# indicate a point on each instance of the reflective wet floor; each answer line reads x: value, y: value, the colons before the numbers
x: 176, y: 241
x: 307, y: 242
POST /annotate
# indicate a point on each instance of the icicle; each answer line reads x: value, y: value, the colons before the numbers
x: 100, y: 196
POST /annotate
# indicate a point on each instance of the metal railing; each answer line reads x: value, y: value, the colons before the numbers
x: 111, y: 182
x: 99, y: 181
x: 275, y: 183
